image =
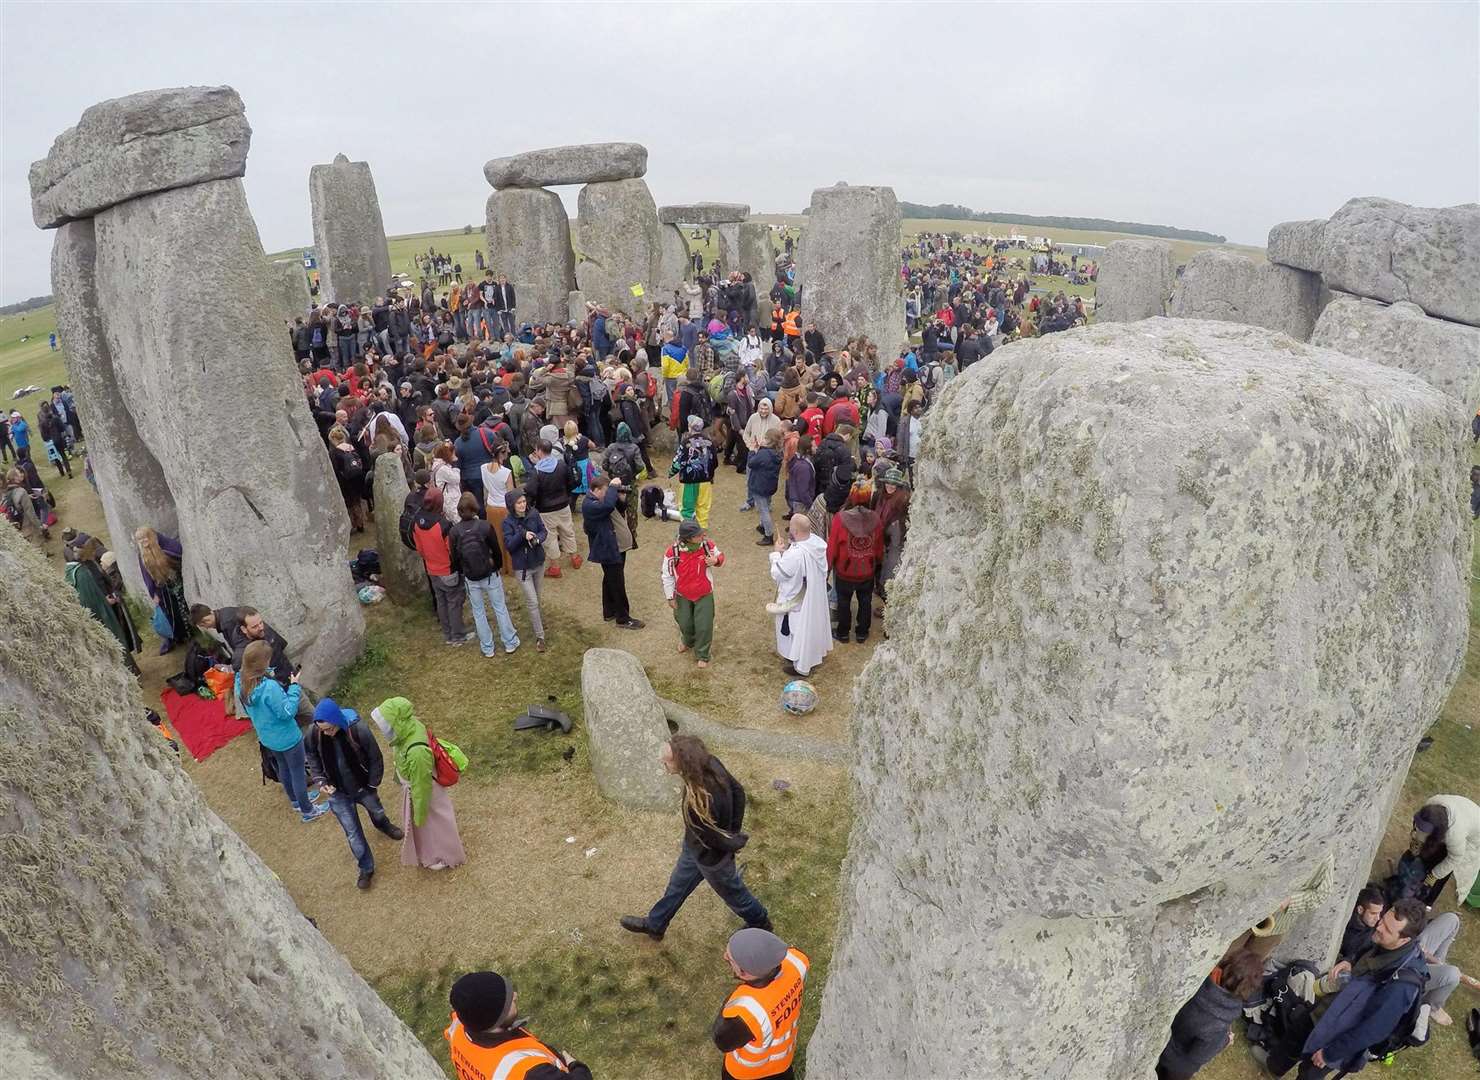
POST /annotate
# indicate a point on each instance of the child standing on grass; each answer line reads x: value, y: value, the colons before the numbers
x: 688, y: 585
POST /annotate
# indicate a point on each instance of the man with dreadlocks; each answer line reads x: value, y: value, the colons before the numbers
x: 713, y: 811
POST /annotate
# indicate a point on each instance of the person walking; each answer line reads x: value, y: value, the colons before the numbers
x: 600, y: 511
x: 426, y: 809
x: 475, y: 554
x: 429, y: 533
x: 688, y: 585
x: 273, y: 713
x: 713, y: 812
x: 347, y: 766
x: 486, y: 1040
x: 758, y: 1024
x: 524, y: 540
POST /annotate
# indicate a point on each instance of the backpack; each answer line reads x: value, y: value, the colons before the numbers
x: 575, y: 473
x: 444, y: 771
x: 575, y: 401
x: 317, y: 338
x: 856, y: 562
x: 406, y: 525
x: 619, y: 463
x: 1407, y: 1032
x: 352, y: 467
x: 13, y: 513
x: 1279, y: 1013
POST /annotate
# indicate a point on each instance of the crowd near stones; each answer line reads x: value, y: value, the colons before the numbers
x: 1025, y: 507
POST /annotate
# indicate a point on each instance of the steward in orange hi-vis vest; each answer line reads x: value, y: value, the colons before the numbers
x: 757, y: 1028
x: 486, y: 1041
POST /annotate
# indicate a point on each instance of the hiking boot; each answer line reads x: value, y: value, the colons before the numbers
x: 841, y: 639
x: 765, y: 541
x: 395, y: 832
x: 575, y: 562
x: 363, y: 881
x: 760, y: 529
x: 639, y: 925
x: 860, y: 638
x: 552, y: 571
x: 764, y: 924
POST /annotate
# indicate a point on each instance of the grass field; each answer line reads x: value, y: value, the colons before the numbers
x: 536, y: 905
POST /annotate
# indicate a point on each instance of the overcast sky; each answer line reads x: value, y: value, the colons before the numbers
x: 1225, y: 118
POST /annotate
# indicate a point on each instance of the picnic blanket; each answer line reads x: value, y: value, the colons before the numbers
x: 202, y: 725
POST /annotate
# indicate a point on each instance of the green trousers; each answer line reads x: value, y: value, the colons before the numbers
x: 695, y: 620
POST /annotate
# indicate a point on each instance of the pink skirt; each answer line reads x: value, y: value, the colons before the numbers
x: 436, y: 841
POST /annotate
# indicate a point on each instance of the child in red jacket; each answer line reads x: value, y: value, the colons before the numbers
x: 688, y: 583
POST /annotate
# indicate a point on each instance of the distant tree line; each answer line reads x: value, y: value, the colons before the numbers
x: 25, y: 305
x: 952, y: 212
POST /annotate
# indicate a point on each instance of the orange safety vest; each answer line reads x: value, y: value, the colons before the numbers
x: 778, y: 317
x: 511, y: 1060
x: 790, y: 326
x: 771, y: 1013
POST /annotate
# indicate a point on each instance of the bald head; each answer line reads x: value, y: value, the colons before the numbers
x: 800, y: 526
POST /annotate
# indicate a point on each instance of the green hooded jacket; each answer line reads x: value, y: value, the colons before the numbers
x: 414, y: 762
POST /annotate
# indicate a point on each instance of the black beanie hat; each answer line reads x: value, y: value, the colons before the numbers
x: 480, y: 999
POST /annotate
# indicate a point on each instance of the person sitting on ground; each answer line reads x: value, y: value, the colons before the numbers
x: 1357, y: 936
x: 225, y: 622
x: 487, y: 1038
x: 1384, y: 983
x: 1203, y: 1027
x: 349, y: 767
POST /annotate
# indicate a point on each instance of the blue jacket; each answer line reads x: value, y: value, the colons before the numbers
x: 524, y: 555
x: 1366, y: 1011
x: 596, y: 515
x: 273, y: 713
x: 763, y: 472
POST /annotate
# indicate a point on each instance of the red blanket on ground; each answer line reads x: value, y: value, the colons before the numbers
x: 202, y: 725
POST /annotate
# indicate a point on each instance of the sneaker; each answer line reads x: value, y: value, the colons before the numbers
x: 639, y: 925
x: 552, y: 571
x: 364, y: 879
x: 489, y: 655
x: 318, y: 812
x: 575, y: 562
x: 860, y: 638
x: 841, y: 639
x: 746, y: 506
x: 511, y: 652
x: 539, y: 644
x: 632, y: 624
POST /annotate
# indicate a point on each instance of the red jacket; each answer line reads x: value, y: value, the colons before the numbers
x: 430, y: 534
x: 841, y: 412
x: 814, y: 417
x: 855, y: 544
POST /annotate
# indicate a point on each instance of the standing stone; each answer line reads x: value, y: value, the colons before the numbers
x: 620, y: 243
x: 758, y: 258
x: 627, y: 730
x: 849, y: 267
x: 673, y: 263
x: 1445, y: 354
x: 529, y: 241
x: 727, y: 243
x: 131, y: 485
x: 1297, y: 244
x: 135, y: 145
x: 142, y: 938
x: 220, y: 405
x: 587, y: 163
x: 575, y: 306
x: 1220, y: 285
x: 348, y: 233
x: 1390, y: 251
x: 1193, y: 566
x: 1135, y: 281
x: 293, y: 287
x: 401, y: 569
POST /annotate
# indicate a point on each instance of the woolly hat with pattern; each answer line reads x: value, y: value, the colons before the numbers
x: 696, y: 422
x: 481, y: 1000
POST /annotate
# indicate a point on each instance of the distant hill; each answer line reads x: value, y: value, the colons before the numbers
x: 25, y: 305
x: 952, y: 212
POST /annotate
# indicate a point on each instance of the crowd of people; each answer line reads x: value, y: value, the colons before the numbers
x: 531, y: 449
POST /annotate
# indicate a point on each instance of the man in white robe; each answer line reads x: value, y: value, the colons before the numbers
x: 799, y: 568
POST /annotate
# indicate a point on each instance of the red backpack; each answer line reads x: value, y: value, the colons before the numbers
x: 444, y: 769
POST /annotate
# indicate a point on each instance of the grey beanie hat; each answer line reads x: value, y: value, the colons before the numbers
x: 696, y: 422
x: 757, y: 951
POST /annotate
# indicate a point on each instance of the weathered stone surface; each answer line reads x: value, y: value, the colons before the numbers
x: 727, y: 243
x: 131, y: 484
x: 758, y: 258
x: 529, y: 240
x: 673, y: 263
x: 849, y: 267
x: 627, y: 730
x: 1232, y: 288
x: 1297, y: 244
x: 704, y: 213
x: 1135, y: 281
x: 292, y: 287
x: 1443, y: 353
x: 348, y: 233
x: 140, y: 927
x: 620, y: 243
x: 1391, y: 251
x: 135, y: 145
x: 220, y: 405
x: 1167, y: 571
x: 586, y: 163
x: 401, y: 570
x: 575, y: 305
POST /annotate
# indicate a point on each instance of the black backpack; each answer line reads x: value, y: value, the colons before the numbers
x: 406, y: 525
x: 1281, y: 1011
x: 574, y: 472
x: 1405, y: 1034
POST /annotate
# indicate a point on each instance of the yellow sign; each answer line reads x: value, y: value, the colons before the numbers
x: 637, y: 289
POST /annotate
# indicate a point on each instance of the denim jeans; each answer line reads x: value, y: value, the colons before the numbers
x: 763, y: 505
x: 531, y: 581
x: 347, y: 813
x: 490, y: 591
x: 290, y: 765
x: 506, y: 322
x: 346, y: 350
x: 723, y: 878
